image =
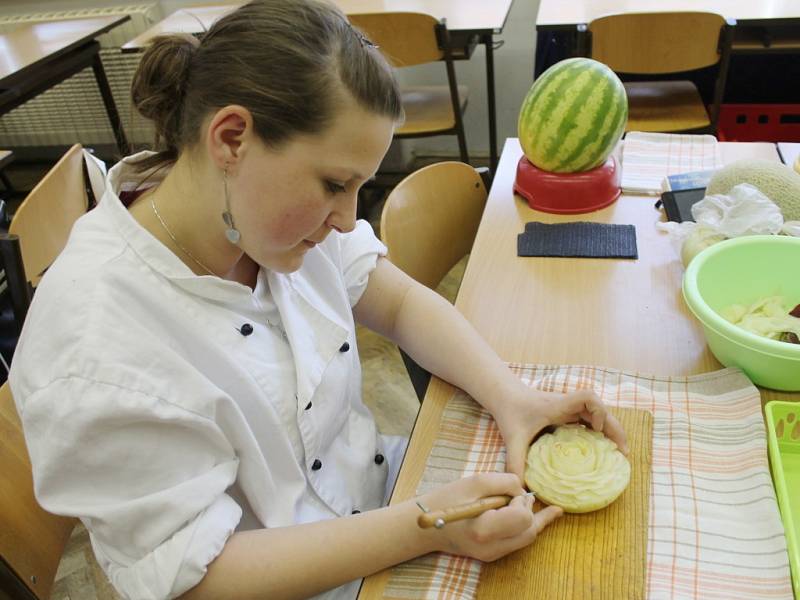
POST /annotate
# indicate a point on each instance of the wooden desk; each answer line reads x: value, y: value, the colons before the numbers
x: 194, y: 20
x: 762, y: 27
x: 461, y: 15
x: 556, y: 13
x: 470, y: 22
x: 622, y: 314
x: 36, y: 57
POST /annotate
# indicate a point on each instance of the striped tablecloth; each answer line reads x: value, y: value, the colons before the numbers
x: 647, y: 158
x: 715, y: 531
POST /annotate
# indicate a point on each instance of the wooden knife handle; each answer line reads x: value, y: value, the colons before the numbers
x: 438, y: 518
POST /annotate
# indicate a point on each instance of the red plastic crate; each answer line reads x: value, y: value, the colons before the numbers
x: 759, y: 123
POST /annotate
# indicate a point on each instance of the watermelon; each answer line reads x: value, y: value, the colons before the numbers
x: 573, y: 116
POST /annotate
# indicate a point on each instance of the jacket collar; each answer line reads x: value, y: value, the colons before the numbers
x: 306, y: 297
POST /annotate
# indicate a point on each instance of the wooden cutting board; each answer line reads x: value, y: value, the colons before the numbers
x: 594, y: 556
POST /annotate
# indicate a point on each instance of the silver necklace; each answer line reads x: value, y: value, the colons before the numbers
x: 281, y: 331
x: 177, y: 243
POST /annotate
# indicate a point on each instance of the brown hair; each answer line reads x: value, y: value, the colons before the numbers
x: 288, y: 62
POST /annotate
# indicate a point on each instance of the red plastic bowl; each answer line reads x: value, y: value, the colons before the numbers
x: 567, y: 193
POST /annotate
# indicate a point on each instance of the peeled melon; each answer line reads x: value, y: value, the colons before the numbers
x: 700, y: 238
x: 576, y: 468
x: 768, y: 317
x: 776, y: 181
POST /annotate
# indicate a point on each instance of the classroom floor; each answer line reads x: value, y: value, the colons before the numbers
x: 386, y: 390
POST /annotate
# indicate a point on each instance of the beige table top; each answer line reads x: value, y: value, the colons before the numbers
x: 554, y: 13
x: 461, y: 15
x: 29, y: 44
x: 606, y: 300
x: 622, y: 314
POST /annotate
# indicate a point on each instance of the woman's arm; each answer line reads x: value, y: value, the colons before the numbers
x: 434, y: 334
x: 440, y: 339
x: 304, y: 560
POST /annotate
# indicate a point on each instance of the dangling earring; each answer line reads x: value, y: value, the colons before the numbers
x: 231, y: 232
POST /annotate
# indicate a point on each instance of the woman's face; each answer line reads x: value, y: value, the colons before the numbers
x: 285, y: 201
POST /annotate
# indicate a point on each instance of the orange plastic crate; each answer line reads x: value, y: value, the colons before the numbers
x: 759, y: 123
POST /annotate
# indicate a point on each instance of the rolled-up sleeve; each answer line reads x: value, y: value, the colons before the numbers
x: 146, y: 476
x: 360, y: 250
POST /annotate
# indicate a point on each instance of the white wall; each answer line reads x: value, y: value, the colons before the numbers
x: 513, y: 71
x: 513, y: 64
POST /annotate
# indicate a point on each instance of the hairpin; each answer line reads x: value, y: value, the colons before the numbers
x: 364, y: 40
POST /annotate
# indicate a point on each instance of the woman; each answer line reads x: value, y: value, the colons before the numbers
x: 187, y: 376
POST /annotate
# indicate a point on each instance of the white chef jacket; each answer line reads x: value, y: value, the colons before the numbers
x: 151, y: 416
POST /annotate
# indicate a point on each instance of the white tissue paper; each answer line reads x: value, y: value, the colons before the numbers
x: 743, y: 211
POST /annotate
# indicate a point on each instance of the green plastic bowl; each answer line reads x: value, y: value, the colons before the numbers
x: 741, y: 271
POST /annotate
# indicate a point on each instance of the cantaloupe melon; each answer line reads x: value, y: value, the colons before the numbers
x: 776, y: 181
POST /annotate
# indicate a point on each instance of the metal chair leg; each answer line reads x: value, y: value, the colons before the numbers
x: 18, y: 285
x: 493, y: 158
x: 444, y: 41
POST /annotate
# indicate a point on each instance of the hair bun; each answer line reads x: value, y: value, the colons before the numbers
x: 160, y: 82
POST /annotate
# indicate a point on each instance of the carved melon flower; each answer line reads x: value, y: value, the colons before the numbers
x: 576, y: 468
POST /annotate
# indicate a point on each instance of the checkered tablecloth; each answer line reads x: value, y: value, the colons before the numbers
x: 715, y: 531
x: 647, y: 158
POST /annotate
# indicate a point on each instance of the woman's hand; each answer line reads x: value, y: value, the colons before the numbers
x: 525, y: 412
x: 496, y: 532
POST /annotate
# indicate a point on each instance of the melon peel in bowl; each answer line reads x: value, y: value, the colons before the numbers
x: 576, y: 468
x: 769, y: 317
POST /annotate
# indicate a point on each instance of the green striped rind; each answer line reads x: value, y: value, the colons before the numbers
x: 573, y: 116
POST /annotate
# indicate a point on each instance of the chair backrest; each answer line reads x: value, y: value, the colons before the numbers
x: 652, y: 43
x: 6, y: 156
x: 44, y: 219
x: 31, y: 539
x: 430, y: 219
x: 404, y: 38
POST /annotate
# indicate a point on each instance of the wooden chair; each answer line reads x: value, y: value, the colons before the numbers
x: 31, y: 539
x: 665, y: 43
x: 428, y: 224
x: 41, y: 226
x: 6, y: 158
x: 407, y: 39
